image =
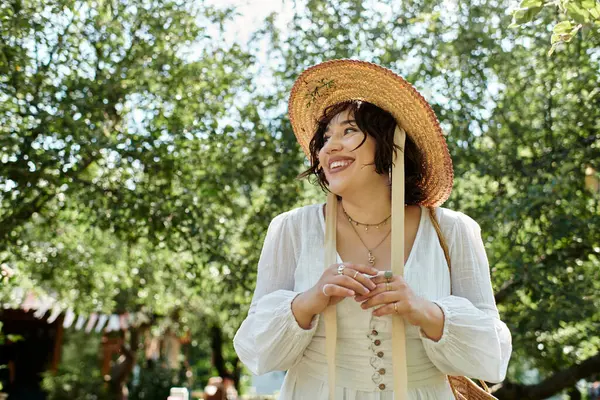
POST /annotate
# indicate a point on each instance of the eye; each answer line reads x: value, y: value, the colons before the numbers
x: 349, y: 130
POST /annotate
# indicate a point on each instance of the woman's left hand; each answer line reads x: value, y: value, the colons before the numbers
x: 396, y: 297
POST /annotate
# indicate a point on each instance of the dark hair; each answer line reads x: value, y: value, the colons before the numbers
x: 380, y: 125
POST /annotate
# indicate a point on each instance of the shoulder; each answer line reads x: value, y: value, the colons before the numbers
x: 456, y: 221
x: 297, y: 217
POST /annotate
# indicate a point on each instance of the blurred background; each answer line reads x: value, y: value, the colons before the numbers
x: 145, y: 147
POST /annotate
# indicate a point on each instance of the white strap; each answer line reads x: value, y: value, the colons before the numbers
x: 400, y: 375
x: 330, y: 312
x: 398, y: 332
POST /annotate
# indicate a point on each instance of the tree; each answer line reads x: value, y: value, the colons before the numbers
x: 141, y: 160
x: 576, y: 16
x: 522, y: 129
x: 134, y: 172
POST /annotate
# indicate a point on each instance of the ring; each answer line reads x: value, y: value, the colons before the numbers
x: 341, y: 269
x: 324, y: 290
x: 388, y: 287
x: 388, y: 275
x: 396, y: 308
x: 356, y: 273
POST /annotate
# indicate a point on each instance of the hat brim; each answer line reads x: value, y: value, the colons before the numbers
x: 337, y: 81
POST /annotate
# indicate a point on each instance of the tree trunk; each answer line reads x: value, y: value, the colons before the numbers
x: 121, y: 372
x: 216, y: 343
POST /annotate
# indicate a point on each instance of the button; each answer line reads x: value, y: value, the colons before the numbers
x: 381, y: 386
x: 380, y: 354
x: 377, y: 342
x: 381, y: 371
x: 374, y: 332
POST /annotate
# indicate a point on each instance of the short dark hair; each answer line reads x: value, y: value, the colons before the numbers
x: 380, y: 125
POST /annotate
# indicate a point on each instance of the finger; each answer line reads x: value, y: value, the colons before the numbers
x: 351, y: 283
x: 333, y: 290
x: 388, y: 309
x: 360, y: 277
x: 380, y: 278
x: 368, y: 270
x: 380, y: 288
x: 381, y: 298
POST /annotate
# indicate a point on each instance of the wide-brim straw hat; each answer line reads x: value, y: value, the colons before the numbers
x: 337, y: 81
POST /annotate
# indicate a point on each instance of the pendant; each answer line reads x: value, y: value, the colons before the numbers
x: 371, y: 259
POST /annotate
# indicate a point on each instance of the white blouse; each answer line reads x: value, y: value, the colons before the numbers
x: 475, y: 342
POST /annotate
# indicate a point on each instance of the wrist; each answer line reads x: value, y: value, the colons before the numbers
x: 303, y: 309
x: 432, y: 322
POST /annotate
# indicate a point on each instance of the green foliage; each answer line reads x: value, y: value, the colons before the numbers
x: 142, y: 157
x: 154, y: 384
x: 78, y: 376
x: 70, y: 383
x: 576, y: 15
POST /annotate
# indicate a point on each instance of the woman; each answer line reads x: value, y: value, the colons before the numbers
x: 453, y: 325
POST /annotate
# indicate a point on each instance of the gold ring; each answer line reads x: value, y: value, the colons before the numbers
x: 396, y: 308
x: 341, y: 269
x: 355, y: 274
x: 388, y: 287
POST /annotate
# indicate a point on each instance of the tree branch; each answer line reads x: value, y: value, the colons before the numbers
x: 506, y: 290
x: 553, y: 384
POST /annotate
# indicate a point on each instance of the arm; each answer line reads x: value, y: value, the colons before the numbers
x: 270, y: 338
x: 474, y: 341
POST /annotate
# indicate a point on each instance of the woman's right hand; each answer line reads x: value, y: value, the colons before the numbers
x: 332, y: 288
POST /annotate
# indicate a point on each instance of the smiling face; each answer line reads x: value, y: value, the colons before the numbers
x: 348, y: 156
x: 353, y: 148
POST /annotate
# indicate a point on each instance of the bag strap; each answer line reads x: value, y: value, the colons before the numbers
x: 400, y: 370
x: 330, y: 314
x: 438, y: 230
x: 399, y: 363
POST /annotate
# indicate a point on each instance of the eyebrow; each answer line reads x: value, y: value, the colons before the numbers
x: 346, y: 122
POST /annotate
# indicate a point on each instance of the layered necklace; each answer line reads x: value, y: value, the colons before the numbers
x: 354, y: 224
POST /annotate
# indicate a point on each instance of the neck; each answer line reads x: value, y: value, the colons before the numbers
x: 368, y: 207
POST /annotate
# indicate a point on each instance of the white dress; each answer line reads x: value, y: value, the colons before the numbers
x: 475, y: 342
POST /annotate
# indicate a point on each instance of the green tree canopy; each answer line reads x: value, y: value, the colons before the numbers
x: 142, y: 157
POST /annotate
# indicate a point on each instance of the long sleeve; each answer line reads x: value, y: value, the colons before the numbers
x: 474, y: 342
x: 270, y: 338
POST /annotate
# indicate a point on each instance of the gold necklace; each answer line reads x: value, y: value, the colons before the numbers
x: 367, y: 226
x: 370, y: 251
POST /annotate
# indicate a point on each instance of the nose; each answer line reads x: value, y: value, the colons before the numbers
x: 333, y: 144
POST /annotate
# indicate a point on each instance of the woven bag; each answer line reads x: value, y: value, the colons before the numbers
x: 463, y: 388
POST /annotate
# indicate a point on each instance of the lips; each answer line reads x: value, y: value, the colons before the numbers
x: 339, y: 164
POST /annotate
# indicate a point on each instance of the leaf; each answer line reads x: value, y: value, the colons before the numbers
x: 531, y: 3
x: 555, y: 38
x: 588, y: 4
x: 524, y: 15
x: 562, y: 27
x: 579, y: 14
x: 595, y: 11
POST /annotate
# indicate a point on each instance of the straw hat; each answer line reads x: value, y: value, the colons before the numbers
x: 337, y: 81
